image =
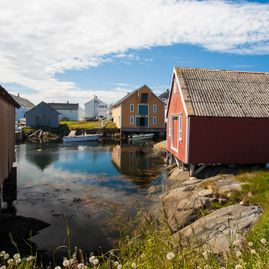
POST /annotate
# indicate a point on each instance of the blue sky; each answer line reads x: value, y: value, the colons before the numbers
x: 154, y: 67
x: 109, y: 47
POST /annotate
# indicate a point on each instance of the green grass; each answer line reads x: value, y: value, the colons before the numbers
x: 256, y: 191
x: 72, y: 125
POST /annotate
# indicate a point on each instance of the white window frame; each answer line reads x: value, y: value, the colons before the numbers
x: 180, y: 130
x: 170, y: 118
x: 155, y: 108
x: 154, y: 120
x: 132, y: 120
x: 131, y: 107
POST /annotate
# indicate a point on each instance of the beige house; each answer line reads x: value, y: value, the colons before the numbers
x: 140, y: 110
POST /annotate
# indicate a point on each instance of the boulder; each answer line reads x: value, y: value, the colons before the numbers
x: 221, y: 228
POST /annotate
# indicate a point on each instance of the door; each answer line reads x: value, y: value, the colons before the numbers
x: 142, y: 122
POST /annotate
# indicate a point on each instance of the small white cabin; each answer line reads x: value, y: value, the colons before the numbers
x: 95, y: 109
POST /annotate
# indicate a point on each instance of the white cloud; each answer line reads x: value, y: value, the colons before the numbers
x: 40, y: 38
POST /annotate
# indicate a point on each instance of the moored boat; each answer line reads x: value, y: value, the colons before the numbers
x: 72, y: 137
x: 140, y: 137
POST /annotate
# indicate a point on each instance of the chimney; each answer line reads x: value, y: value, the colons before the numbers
x: 67, y: 102
x: 18, y: 95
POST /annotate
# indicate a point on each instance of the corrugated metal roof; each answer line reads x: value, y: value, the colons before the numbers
x: 221, y: 93
x: 64, y: 106
x: 22, y: 101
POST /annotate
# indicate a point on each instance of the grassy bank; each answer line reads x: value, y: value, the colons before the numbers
x: 152, y: 246
x: 72, y: 125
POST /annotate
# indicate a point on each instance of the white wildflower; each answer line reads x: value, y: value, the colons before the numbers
x: 30, y: 258
x: 18, y: 260
x: 6, y: 256
x: 238, y: 266
x: 116, y: 263
x: 238, y: 254
x: 10, y: 261
x: 2, y: 253
x: 250, y: 244
x: 263, y: 241
x: 3, y: 267
x: 119, y: 266
x: 16, y: 256
x: 71, y: 261
x: 95, y: 261
x: 57, y: 267
x: 81, y: 266
x: 91, y: 259
x: 205, y: 255
x: 134, y: 265
x: 65, y: 263
x: 170, y: 256
x: 253, y: 251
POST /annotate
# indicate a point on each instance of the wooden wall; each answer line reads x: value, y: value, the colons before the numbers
x: 7, y: 138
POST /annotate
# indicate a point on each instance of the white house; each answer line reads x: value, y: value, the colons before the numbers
x: 95, y: 108
x: 68, y: 111
x: 25, y: 106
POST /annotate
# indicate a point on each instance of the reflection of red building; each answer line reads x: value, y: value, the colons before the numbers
x: 7, y: 133
x: 217, y: 116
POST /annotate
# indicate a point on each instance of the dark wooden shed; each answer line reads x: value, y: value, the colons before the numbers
x: 7, y: 133
x: 42, y: 115
x: 218, y: 116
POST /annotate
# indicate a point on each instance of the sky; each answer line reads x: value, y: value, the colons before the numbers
x: 58, y: 50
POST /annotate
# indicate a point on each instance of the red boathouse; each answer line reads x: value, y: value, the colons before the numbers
x: 217, y: 116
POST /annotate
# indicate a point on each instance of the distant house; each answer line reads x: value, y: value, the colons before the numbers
x: 95, y: 108
x: 139, y: 111
x: 7, y: 133
x: 67, y: 110
x: 217, y: 116
x: 81, y: 114
x: 42, y: 115
x: 25, y: 105
x: 164, y: 97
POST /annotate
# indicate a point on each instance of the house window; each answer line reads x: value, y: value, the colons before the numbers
x: 144, y: 98
x: 132, y: 120
x: 154, y: 108
x: 131, y: 107
x: 143, y: 109
x: 154, y: 120
x: 180, y: 127
x: 175, y: 87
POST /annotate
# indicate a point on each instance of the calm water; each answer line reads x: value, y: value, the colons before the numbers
x: 96, y: 187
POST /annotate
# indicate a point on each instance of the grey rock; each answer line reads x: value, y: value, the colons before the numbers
x: 221, y: 228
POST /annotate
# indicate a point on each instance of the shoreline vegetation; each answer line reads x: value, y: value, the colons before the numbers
x: 65, y: 127
x: 173, y: 236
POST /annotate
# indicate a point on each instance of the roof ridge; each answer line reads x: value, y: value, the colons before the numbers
x: 219, y: 70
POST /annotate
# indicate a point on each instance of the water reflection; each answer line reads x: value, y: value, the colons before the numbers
x: 20, y: 228
x: 42, y: 155
x: 136, y: 161
x: 97, y: 187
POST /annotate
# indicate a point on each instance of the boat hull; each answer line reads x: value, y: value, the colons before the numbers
x: 81, y: 138
x: 141, y: 137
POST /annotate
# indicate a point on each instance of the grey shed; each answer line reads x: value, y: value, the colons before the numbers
x: 42, y: 115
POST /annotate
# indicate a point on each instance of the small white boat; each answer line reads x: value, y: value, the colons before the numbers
x: 72, y: 137
x: 139, y: 137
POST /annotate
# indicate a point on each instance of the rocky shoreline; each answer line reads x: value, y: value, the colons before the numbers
x: 201, y: 211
